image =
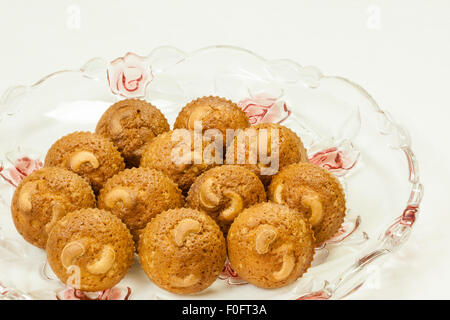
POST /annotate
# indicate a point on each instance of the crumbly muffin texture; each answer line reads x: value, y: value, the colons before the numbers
x: 214, y: 113
x: 137, y: 195
x: 282, y: 144
x: 314, y: 192
x: 270, y: 245
x: 182, y: 250
x: 223, y: 192
x: 174, y: 154
x: 88, y: 154
x: 44, y: 197
x: 130, y: 124
x: 90, y: 250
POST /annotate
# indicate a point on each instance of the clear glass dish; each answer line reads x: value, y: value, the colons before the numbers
x: 340, y: 123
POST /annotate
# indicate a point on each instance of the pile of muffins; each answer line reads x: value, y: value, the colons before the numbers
x: 103, y: 196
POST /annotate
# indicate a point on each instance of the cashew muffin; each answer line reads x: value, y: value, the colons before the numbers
x: 182, y: 250
x: 214, y: 113
x: 223, y: 192
x: 175, y: 154
x: 44, y: 197
x: 266, y: 148
x: 137, y: 195
x: 270, y: 245
x: 313, y: 191
x: 90, y: 249
x: 88, y: 154
x: 131, y: 123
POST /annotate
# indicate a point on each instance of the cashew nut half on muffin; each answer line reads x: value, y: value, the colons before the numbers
x: 137, y: 195
x: 90, y: 155
x: 79, y: 158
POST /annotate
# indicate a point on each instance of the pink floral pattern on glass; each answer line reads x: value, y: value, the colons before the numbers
x: 22, y: 168
x: 263, y: 108
x: 407, y: 219
x: 109, y: 294
x: 3, y: 290
x: 346, y: 231
x: 230, y: 276
x: 318, y: 295
x: 336, y: 160
x: 129, y: 76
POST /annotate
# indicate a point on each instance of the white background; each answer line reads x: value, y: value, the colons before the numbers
x: 398, y: 50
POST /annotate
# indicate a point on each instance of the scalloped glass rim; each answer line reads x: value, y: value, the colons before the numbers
x: 289, y: 73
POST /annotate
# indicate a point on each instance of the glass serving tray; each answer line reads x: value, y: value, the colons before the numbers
x: 341, y: 125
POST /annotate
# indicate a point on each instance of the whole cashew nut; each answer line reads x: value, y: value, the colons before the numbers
x: 265, y: 236
x: 198, y: 115
x: 312, y: 201
x: 70, y: 252
x: 184, y: 228
x: 187, y: 281
x: 58, y: 212
x: 116, y: 127
x: 277, y: 194
x: 235, y: 207
x: 119, y: 194
x: 184, y: 161
x: 27, y: 191
x: 288, y: 264
x: 207, y: 197
x: 80, y: 157
x: 106, y: 261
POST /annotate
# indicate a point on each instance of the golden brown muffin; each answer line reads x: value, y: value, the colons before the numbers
x: 270, y: 245
x: 90, y: 249
x: 88, y: 154
x: 182, y: 250
x: 223, y: 192
x: 249, y: 149
x: 137, y: 195
x: 174, y: 154
x: 314, y: 192
x: 214, y: 113
x: 44, y: 197
x: 130, y: 124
